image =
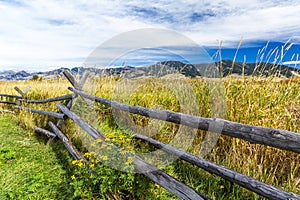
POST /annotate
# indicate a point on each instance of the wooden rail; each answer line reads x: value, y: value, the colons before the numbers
x: 277, y: 138
x: 8, y: 98
x: 11, y: 96
x: 281, y: 139
x: 8, y: 102
x: 60, y: 98
x: 168, y: 182
x: 247, y: 182
x: 42, y: 112
x: 45, y: 132
x: 68, y: 144
x: 23, y: 94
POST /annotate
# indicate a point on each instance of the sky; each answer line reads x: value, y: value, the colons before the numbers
x: 42, y: 35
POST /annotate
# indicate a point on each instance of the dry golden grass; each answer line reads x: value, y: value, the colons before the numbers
x: 263, y: 102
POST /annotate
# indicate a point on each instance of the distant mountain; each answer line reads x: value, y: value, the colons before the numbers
x: 7, y: 73
x: 261, y: 69
x: 52, y: 72
x: 12, y: 75
x: 102, y: 71
x: 164, y: 68
x: 217, y: 69
x: 23, y: 75
x: 227, y: 67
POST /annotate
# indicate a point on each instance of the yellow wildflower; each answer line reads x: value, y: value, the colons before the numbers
x: 104, y: 158
x: 80, y: 163
x: 72, y: 177
x: 88, y: 154
x: 92, y: 165
x: 109, y: 136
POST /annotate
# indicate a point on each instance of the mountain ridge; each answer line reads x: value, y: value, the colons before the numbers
x: 226, y: 67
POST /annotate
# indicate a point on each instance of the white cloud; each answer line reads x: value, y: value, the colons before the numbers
x: 291, y: 63
x: 62, y: 33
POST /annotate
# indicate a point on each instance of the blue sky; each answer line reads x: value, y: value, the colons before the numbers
x: 42, y: 35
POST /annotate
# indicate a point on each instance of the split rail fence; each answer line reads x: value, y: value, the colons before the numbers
x: 277, y: 138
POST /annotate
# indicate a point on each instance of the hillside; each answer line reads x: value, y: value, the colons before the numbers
x: 164, y: 68
x: 265, y: 69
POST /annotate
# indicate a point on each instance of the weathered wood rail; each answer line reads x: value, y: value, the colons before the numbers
x: 8, y: 102
x: 6, y: 98
x: 176, y: 187
x: 281, y: 139
x: 224, y: 172
x: 277, y: 138
x: 60, y: 98
x: 11, y: 96
x: 68, y: 144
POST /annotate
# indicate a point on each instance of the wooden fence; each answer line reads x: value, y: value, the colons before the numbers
x: 281, y: 139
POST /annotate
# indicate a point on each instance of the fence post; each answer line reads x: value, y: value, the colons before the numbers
x: 79, y: 85
x: 68, y: 144
x: 23, y: 94
x: 72, y: 80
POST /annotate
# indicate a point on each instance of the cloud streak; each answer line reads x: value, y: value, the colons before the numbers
x: 291, y: 63
x: 38, y: 33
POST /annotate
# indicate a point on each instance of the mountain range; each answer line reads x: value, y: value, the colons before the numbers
x: 226, y: 67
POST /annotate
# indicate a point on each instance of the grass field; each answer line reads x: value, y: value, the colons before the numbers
x: 29, y: 168
x: 258, y: 101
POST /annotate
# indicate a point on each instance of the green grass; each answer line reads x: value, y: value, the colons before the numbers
x: 269, y: 102
x: 29, y: 168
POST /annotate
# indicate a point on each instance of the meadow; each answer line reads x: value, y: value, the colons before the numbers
x: 268, y: 102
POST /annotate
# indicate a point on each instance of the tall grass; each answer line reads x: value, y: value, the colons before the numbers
x: 38, y: 90
x: 264, y: 102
